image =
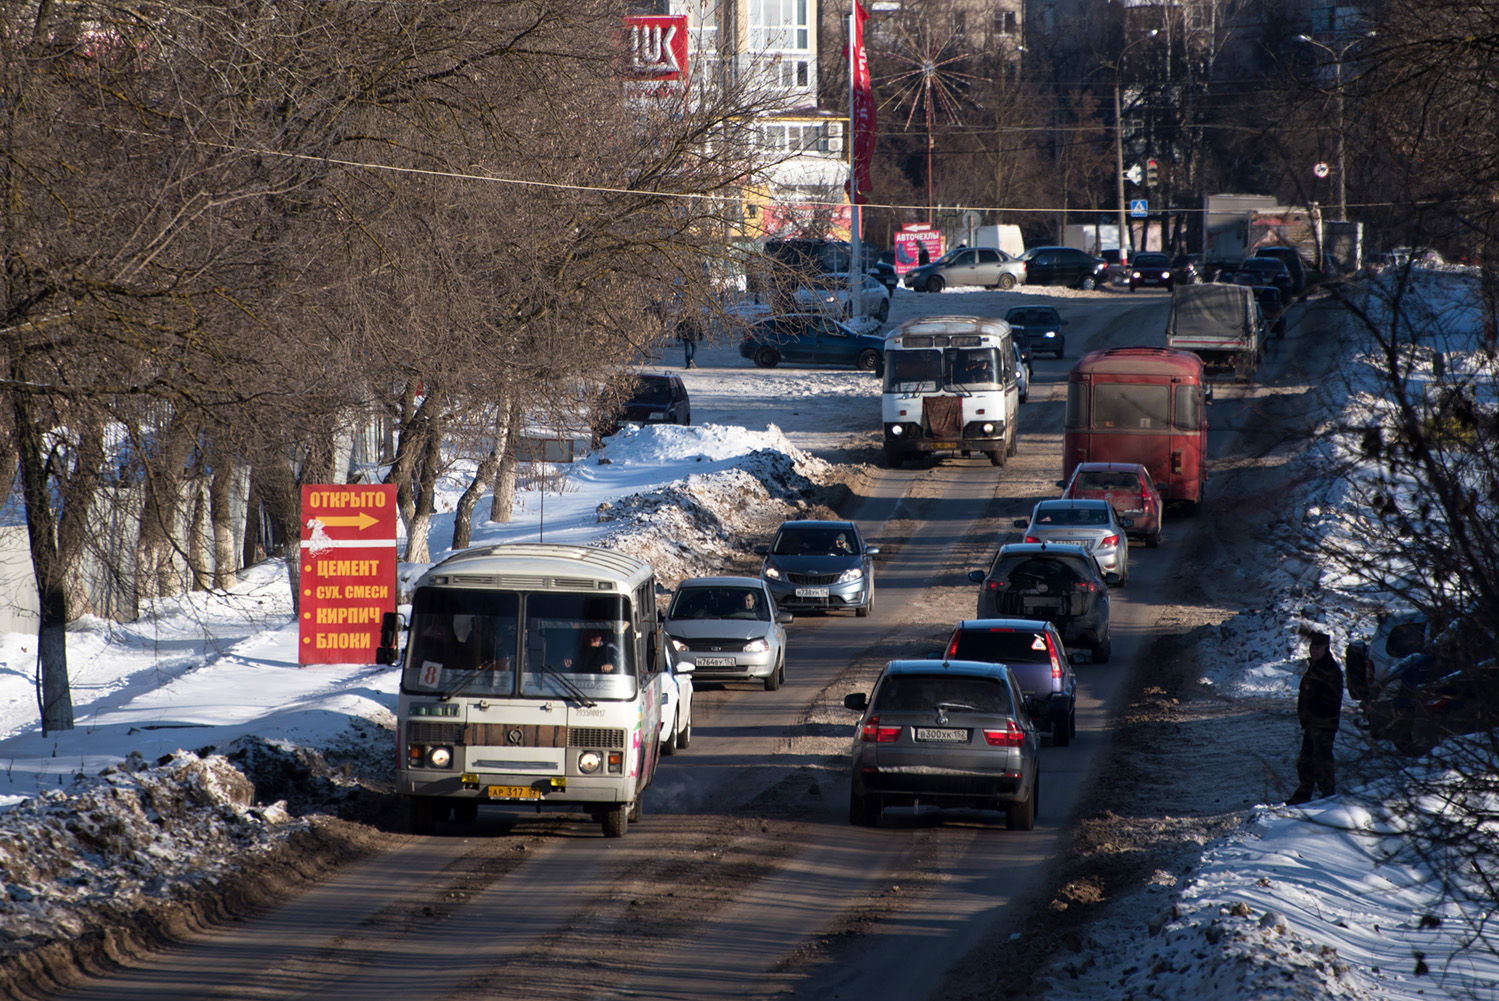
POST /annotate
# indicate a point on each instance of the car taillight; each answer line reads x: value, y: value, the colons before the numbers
x: 1087, y: 585
x: 995, y: 585
x: 1110, y: 540
x: 1010, y: 736
x: 876, y: 734
x: 1144, y: 499
x: 1031, y: 538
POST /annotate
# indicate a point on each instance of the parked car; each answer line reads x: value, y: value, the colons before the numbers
x: 1042, y: 327
x: 884, y: 272
x: 1022, y: 371
x: 1060, y: 584
x: 1034, y: 651
x: 1091, y: 524
x: 653, y: 399
x: 819, y: 566
x: 986, y: 266
x: 727, y: 629
x: 1151, y: 270
x: 1063, y: 266
x: 1291, y: 258
x: 1128, y: 488
x: 810, y: 339
x: 1428, y: 697
x: 1265, y: 271
x: 676, y: 707
x: 828, y: 293
x: 1369, y: 664
x: 1274, y: 308
x: 949, y: 734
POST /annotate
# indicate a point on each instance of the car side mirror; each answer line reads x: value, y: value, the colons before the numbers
x: 977, y: 576
x: 857, y: 701
x: 872, y: 550
x: 762, y: 550
x: 785, y: 618
x: 1021, y: 522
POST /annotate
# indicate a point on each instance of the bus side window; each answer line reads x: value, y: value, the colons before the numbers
x: 1186, y: 417
x: 1077, y: 405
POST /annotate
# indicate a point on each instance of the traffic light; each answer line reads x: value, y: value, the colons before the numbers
x: 1151, y: 174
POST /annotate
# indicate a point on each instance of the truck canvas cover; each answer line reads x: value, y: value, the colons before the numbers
x: 1213, y: 315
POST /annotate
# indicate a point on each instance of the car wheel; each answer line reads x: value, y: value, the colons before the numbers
x: 421, y: 814
x: 1131, y: 288
x: 1014, y: 445
x: 773, y: 680
x: 862, y: 612
x: 1022, y: 816
x: 669, y: 745
x: 466, y: 812
x: 1102, y: 652
x: 1007, y: 281
x: 894, y: 459
x: 863, y: 811
x: 935, y: 283
x: 997, y: 457
x: 1153, y: 540
x: 767, y: 357
x: 1088, y: 284
x: 1061, y: 348
x: 782, y: 671
x: 1061, y: 731
x: 868, y: 360
x: 1025, y: 397
x: 884, y: 313
x: 1072, y: 721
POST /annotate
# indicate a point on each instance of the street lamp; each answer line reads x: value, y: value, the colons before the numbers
x: 1337, y: 57
x: 1119, y: 142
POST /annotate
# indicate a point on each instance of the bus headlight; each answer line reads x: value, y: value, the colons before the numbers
x: 988, y: 429
x: 589, y: 762
x: 897, y: 430
x: 440, y: 757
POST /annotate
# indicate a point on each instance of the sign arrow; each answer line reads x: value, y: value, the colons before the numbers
x: 359, y: 521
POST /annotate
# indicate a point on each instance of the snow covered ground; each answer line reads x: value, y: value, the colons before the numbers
x: 175, y: 710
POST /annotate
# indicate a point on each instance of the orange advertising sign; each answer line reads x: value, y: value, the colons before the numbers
x: 348, y: 571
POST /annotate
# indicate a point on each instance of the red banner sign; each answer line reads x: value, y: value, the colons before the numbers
x: 348, y: 571
x: 657, y: 47
x: 910, y: 242
x: 861, y: 112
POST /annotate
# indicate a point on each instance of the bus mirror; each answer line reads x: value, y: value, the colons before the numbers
x: 390, y: 629
x: 1207, y: 393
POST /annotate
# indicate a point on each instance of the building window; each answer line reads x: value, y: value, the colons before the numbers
x: 779, y: 25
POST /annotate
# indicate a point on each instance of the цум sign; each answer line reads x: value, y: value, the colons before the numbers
x: 348, y: 571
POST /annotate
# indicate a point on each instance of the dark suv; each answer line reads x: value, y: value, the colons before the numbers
x: 1059, y: 583
x: 1063, y: 266
x: 1034, y: 651
x: 652, y: 399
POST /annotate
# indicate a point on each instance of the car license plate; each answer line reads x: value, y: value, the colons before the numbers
x: 811, y: 592
x: 944, y: 735
x: 714, y: 661
x: 1040, y: 605
x: 514, y: 792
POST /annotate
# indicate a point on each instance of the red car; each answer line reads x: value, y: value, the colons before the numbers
x: 1125, y: 485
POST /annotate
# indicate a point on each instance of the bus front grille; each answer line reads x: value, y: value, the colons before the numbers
x: 422, y: 732
x: 605, y: 739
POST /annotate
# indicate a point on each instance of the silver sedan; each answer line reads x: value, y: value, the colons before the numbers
x: 1092, y: 524
x: 729, y: 629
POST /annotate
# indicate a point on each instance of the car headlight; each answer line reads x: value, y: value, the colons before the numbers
x: 1050, y: 333
x: 589, y: 762
x: 1136, y: 275
x: 678, y: 645
x: 851, y: 574
x: 761, y: 645
x: 772, y: 573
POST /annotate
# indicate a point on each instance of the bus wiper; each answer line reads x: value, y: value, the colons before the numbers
x: 463, y: 682
x: 567, y: 684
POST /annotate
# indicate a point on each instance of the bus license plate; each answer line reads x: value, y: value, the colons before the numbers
x: 943, y: 735
x: 715, y: 661
x: 944, y: 444
x: 811, y: 592
x: 514, y: 792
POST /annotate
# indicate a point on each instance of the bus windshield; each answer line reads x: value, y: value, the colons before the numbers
x: 973, y: 368
x: 567, y: 645
x: 913, y: 371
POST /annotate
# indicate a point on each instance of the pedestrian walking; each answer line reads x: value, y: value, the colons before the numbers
x: 689, y: 333
x: 1319, y: 702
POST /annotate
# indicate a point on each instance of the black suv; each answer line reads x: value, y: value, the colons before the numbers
x: 653, y: 399
x: 1034, y: 651
x: 1059, y: 583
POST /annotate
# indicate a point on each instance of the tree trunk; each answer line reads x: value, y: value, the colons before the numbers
x: 158, y: 575
x: 221, y: 510
x: 463, y: 517
x: 502, y: 507
x: 53, y: 693
x: 417, y: 465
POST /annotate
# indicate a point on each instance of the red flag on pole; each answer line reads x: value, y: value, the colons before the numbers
x: 861, y: 110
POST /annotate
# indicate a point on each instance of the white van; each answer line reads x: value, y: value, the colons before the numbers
x: 950, y: 386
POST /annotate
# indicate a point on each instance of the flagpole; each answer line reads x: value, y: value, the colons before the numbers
x: 856, y: 253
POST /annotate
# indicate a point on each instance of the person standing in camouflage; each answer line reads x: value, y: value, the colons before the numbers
x: 1319, y: 703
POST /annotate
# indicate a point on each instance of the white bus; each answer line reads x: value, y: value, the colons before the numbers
x: 950, y: 385
x: 532, y: 676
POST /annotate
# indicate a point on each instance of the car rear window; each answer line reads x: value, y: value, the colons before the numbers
x: 1107, y: 481
x: 1054, y: 569
x: 1002, y: 646
x: 651, y: 391
x: 1071, y: 516
x: 921, y: 692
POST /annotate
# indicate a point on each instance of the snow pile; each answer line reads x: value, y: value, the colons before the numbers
x: 683, y: 527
